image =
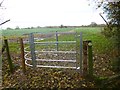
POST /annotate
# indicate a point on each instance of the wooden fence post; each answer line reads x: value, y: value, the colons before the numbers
x: 8, y: 56
x: 85, y: 43
x: 3, y: 48
x: 22, y: 55
x: 90, y: 59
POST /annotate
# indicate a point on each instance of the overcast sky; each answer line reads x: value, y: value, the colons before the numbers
x: 27, y: 13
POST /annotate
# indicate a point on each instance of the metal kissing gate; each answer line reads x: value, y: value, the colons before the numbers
x: 54, y: 50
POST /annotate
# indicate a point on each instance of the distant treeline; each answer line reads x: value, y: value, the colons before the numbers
x: 62, y: 26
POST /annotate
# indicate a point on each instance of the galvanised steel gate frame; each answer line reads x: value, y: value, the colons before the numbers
x: 33, y: 51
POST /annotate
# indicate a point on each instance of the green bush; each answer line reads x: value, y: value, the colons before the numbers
x: 107, y: 32
x: 113, y: 34
x: 116, y: 64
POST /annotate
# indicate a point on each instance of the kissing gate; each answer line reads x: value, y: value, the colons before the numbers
x: 54, y: 50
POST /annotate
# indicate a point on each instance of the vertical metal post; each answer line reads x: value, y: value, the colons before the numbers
x: 32, y: 49
x: 22, y: 55
x: 81, y: 49
x: 77, y: 62
x: 47, y: 49
x: 56, y: 40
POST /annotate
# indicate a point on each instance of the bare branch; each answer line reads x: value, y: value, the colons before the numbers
x: 1, y: 3
x: 4, y: 22
x: 105, y: 21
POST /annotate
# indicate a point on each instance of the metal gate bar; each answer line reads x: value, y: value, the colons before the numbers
x: 33, y: 52
x: 52, y: 66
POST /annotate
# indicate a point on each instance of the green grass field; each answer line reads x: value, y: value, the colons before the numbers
x: 19, y: 32
x: 100, y: 43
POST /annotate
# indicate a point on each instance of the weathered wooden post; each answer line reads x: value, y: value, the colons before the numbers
x: 85, y: 43
x: 32, y: 49
x: 22, y: 55
x: 90, y: 58
x: 3, y: 48
x: 8, y: 56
